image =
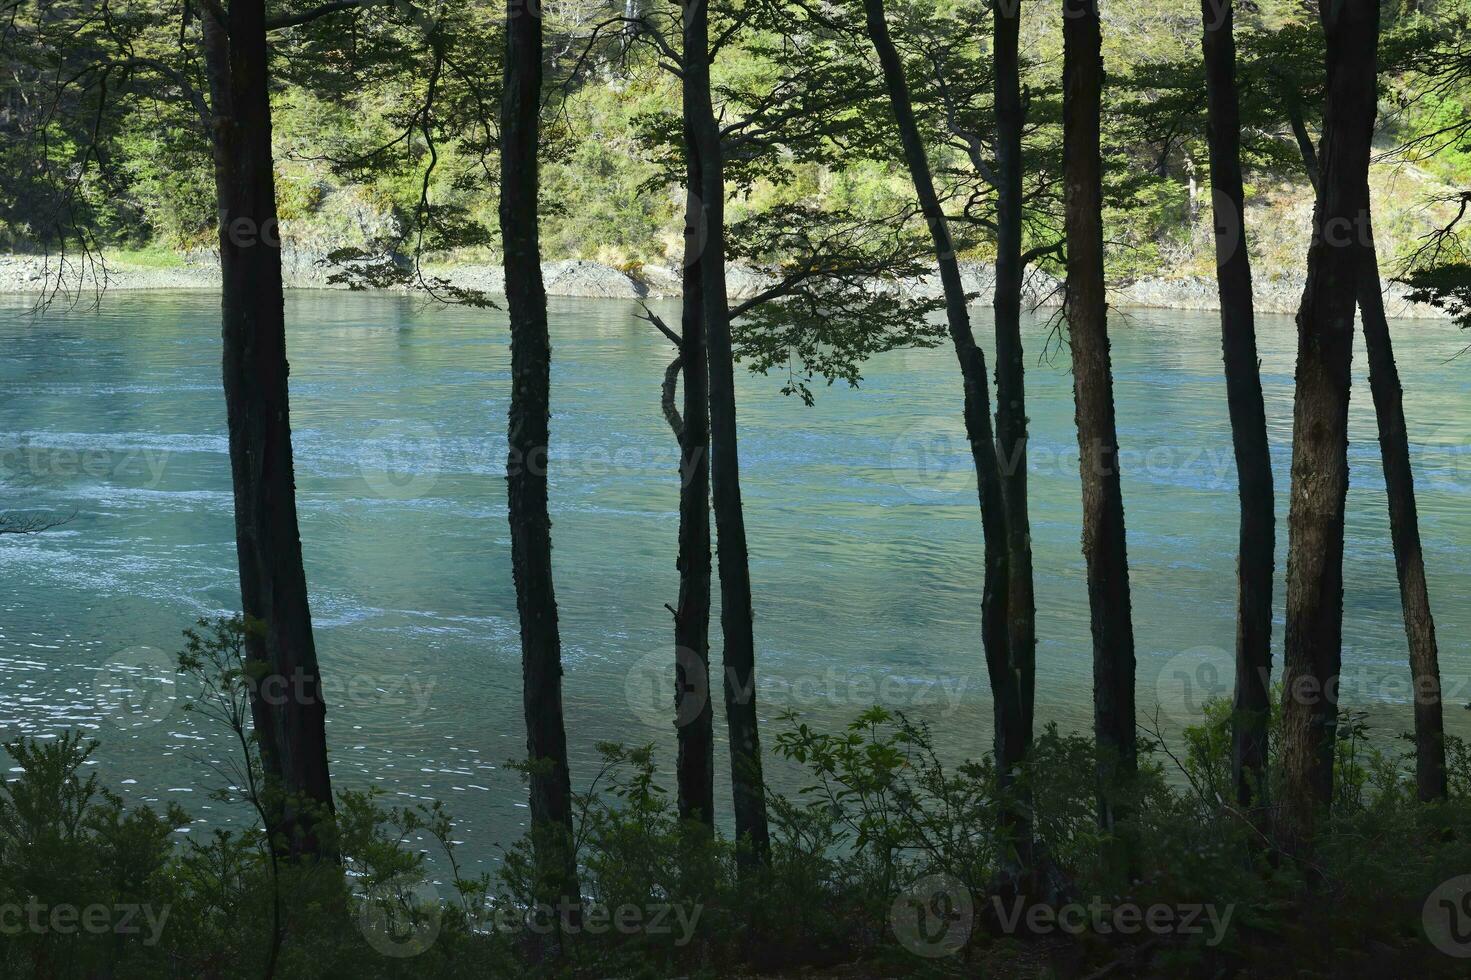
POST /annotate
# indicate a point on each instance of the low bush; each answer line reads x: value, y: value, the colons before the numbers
x: 888, y: 861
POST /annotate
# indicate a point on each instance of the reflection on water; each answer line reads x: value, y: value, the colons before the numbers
x: 864, y: 534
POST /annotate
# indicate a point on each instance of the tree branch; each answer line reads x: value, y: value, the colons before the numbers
x: 30, y: 525
x: 316, y: 13
x: 671, y: 411
x: 1033, y: 254
x: 663, y: 328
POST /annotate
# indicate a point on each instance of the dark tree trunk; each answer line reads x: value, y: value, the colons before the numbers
x: 736, y: 618
x: 1404, y: 520
x: 1013, y: 688
x: 526, y: 463
x: 1251, y: 708
x: 1312, y: 652
x: 694, y: 712
x: 977, y: 408
x: 1300, y: 133
x: 1104, y: 544
x: 287, y: 707
x: 1404, y: 527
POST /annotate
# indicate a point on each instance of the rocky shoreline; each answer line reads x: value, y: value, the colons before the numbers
x: 582, y: 278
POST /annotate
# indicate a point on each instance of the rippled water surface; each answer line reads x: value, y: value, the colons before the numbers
x: 863, y: 527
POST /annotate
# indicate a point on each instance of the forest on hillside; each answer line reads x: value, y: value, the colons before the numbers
x: 378, y: 149
x: 844, y: 149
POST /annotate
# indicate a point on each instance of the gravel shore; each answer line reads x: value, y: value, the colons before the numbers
x: 578, y: 277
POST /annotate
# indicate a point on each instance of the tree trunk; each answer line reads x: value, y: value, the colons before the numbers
x: 1404, y: 520
x: 977, y: 408
x: 694, y: 712
x: 1251, y: 708
x: 736, y: 617
x: 287, y: 706
x: 1104, y: 544
x: 1404, y: 527
x: 1015, y: 693
x: 1300, y: 133
x: 526, y: 463
x: 1312, y: 652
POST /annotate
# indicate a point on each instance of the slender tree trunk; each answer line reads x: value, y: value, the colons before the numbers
x: 977, y: 408
x: 1104, y: 544
x: 694, y: 711
x: 1404, y: 520
x: 1312, y: 652
x: 1300, y: 133
x: 287, y: 706
x: 1251, y: 709
x: 1404, y: 527
x: 526, y: 463
x: 736, y: 617
x: 1015, y: 693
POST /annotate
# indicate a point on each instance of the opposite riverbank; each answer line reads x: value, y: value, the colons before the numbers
x: 73, y: 277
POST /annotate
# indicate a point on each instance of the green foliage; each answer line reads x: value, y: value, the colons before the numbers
x: 600, y: 199
x: 879, y: 810
x: 69, y: 848
x: 837, y: 302
x: 901, y: 813
x: 386, y: 129
x: 171, y: 178
x: 1446, y: 286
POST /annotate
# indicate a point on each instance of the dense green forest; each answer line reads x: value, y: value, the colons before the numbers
x: 360, y: 152
x: 843, y: 149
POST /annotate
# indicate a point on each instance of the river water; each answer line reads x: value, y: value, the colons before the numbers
x: 864, y: 535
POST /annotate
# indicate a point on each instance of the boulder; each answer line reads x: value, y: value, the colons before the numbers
x: 578, y: 277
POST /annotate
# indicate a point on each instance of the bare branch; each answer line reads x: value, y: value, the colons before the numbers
x: 663, y: 327
x: 35, y: 524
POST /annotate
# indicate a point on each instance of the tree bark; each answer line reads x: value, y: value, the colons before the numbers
x: 694, y: 712
x: 1404, y: 520
x: 1251, y: 707
x: 1312, y: 651
x: 287, y: 707
x: 1404, y: 528
x: 1014, y: 688
x: 526, y: 463
x: 1104, y: 544
x: 736, y: 616
x: 977, y: 407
